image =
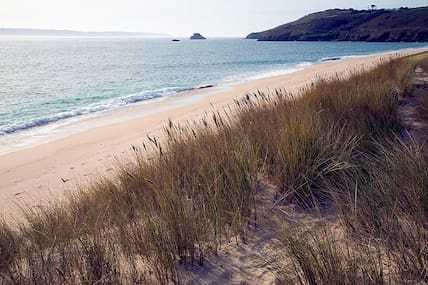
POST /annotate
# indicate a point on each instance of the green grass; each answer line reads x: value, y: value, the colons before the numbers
x: 178, y: 200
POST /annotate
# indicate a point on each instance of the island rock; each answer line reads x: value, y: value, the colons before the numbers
x: 197, y: 36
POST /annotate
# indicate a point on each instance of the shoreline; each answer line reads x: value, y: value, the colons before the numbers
x: 32, y: 136
x: 33, y: 175
x: 50, y: 129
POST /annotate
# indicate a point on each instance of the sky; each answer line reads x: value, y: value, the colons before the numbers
x: 212, y: 18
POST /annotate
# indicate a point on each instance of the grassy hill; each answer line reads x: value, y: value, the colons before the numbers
x: 408, y: 25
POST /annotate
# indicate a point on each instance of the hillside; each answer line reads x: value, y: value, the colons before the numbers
x: 404, y: 24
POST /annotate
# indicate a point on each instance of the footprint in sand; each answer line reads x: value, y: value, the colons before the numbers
x: 64, y: 180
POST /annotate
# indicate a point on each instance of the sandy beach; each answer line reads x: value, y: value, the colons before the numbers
x: 30, y: 176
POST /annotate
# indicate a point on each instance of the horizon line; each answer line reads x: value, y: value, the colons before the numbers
x: 8, y: 31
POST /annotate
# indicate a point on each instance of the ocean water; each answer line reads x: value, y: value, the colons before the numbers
x: 49, y: 81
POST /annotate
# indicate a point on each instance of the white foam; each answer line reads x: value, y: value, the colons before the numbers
x: 92, y: 108
x: 266, y: 73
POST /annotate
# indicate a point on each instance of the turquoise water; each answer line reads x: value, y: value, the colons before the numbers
x: 43, y: 81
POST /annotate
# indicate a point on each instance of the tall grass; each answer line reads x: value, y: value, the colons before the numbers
x: 319, y: 257
x: 183, y: 195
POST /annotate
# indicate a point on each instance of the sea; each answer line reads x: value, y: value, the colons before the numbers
x: 49, y: 83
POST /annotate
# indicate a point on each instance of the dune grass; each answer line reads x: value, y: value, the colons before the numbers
x: 179, y: 199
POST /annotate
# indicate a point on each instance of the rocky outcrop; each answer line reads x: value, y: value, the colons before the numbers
x: 404, y: 24
x: 197, y: 36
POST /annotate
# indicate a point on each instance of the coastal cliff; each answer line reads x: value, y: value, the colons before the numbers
x: 404, y: 24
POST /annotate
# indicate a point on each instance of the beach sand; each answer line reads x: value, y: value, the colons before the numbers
x: 32, y: 176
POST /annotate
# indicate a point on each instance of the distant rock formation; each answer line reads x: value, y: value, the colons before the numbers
x: 197, y: 36
x: 404, y: 24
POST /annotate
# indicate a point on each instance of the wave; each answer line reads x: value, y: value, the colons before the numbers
x: 304, y: 64
x: 343, y: 57
x: 93, y: 108
x: 287, y: 69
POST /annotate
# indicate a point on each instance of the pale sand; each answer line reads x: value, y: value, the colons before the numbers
x: 30, y: 176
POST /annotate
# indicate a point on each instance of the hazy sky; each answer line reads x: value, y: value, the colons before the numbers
x: 175, y: 17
